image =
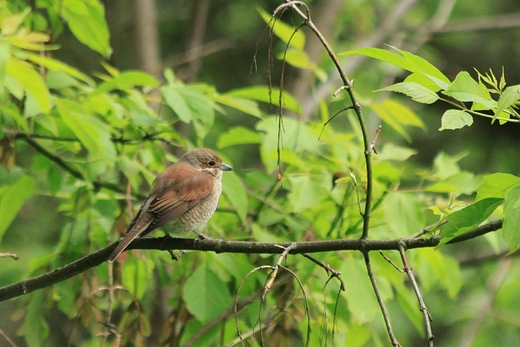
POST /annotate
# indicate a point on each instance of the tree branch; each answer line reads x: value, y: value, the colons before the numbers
x: 222, y: 246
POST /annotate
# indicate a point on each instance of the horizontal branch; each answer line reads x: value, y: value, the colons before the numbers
x: 222, y: 246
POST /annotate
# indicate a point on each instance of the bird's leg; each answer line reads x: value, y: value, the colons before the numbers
x: 174, y: 256
x: 202, y: 236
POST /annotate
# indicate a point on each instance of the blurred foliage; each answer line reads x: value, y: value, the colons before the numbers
x: 77, y: 148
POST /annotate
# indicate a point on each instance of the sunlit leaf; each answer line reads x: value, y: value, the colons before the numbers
x: 509, y: 97
x: 285, y: 32
x: 414, y: 90
x: 234, y: 190
x: 86, y: 20
x: 31, y: 81
x: 455, y: 119
x: 496, y: 185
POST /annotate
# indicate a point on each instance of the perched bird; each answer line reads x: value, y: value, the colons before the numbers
x: 183, y: 197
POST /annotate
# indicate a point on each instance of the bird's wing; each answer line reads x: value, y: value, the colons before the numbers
x: 176, y: 199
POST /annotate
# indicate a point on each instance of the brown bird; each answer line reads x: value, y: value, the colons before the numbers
x: 183, y: 197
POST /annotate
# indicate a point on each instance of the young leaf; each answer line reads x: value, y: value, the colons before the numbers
x: 509, y: 97
x: 466, y: 89
x: 511, y: 226
x: 467, y: 218
x: 455, y: 119
x: 414, y: 90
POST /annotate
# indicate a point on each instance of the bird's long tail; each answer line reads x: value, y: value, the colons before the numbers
x: 129, y: 237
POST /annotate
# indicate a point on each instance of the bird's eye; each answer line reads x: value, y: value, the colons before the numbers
x: 211, y: 163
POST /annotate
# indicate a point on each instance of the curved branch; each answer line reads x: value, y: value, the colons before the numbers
x: 222, y: 246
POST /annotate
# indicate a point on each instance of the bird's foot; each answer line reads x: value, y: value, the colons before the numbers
x: 176, y: 256
x: 202, y: 236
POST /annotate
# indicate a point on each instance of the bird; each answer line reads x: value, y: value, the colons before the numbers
x: 183, y: 197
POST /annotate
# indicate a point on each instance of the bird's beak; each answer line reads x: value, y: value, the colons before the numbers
x: 225, y: 167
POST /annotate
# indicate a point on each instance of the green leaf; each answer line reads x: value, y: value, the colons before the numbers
x: 90, y: 131
x: 455, y: 119
x: 391, y: 151
x: 31, y: 81
x: 36, y: 329
x: 464, y: 88
x: 509, y: 97
x: 305, y: 192
x: 244, y: 105
x: 397, y: 115
x: 407, y: 61
x: 12, y: 198
x: 403, y: 213
x: 359, y: 292
x: 414, y: 90
x: 189, y: 103
x: 234, y: 190
x: 496, y: 185
x: 511, y: 226
x: 125, y: 80
x: 56, y: 65
x: 238, y: 136
x: 461, y: 221
x: 205, y: 294
x: 135, y: 276
x: 267, y: 95
x: 463, y: 182
x: 285, y: 32
x: 298, y: 59
x: 5, y: 54
x: 86, y: 20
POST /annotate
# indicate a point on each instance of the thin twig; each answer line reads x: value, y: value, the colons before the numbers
x: 417, y: 291
x: 380, y: 301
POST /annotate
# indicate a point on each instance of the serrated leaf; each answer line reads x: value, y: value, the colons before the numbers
x: 414, y: 90
x: 467, y: 218
x: 509, y: 97
x: 496, y: 185
x: 455, y: 119
x: 464, y: 88
x: 511, y: 225
x: 12, y: 198
x: 205, y: 295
